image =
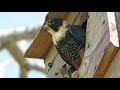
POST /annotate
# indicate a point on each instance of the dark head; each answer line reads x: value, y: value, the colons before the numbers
x: 53, y: 24
x: 57, y: 27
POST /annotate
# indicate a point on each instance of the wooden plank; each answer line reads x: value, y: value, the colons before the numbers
x: 114, y: 68
x: 55, y: 72
x: 111, y: 50
x: 50, y: 58
x: 98, y: 38
x: 106, y: 61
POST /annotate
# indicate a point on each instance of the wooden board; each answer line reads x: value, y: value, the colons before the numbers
x: 98, y: 38
x: 106, y: 61
x: 114, y: 68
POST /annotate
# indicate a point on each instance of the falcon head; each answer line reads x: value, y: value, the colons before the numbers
x: 56, y: 27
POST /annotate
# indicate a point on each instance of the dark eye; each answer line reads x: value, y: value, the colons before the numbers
x: 52, y: 22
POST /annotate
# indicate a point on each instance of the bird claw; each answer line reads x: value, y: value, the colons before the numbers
x: 75, y: 74
x: 66, y: 76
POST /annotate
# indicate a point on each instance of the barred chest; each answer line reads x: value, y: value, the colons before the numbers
x: 68, y: 48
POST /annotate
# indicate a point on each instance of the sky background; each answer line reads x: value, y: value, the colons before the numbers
x: 10, y: 20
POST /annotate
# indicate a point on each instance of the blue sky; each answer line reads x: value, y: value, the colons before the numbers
x: 15, y: 19
x: 12, y: 20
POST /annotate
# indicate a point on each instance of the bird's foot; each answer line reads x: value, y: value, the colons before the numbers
x: 75, y: 74
x: 64, y: 71
x: 66, y: 76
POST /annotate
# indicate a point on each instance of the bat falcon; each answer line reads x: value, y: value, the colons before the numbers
x: 68, y: 39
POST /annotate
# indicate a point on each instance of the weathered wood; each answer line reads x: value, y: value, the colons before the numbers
x: 55, y: 72
x: 43, y: 42
x: 50, y: 58
x: 98, y: 38
x: 118, y: 23
x: 113, y: 70
x: 111, y: 50
x: 112, y: 28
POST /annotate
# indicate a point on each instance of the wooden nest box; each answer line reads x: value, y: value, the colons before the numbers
x: 102, y: 54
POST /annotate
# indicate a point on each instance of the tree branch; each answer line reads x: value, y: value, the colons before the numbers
x: 8, y: 36
x: 24, y: 64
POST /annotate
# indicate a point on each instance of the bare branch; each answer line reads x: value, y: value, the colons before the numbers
x: 24, y: 64
x: 23, y: 72
x: 7, y: 36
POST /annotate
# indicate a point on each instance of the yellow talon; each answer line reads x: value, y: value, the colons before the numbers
x: 75, y: 74
x: 66, y: 76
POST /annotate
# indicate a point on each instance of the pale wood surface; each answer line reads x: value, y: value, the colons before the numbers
x: 98, y: 38
x: 113, y: 28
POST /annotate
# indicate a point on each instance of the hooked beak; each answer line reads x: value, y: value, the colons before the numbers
x: 45, y: 28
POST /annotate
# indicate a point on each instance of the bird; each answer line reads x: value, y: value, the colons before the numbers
x: 68, y: 39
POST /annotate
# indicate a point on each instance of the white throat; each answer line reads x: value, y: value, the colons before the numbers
x: 57, y: 36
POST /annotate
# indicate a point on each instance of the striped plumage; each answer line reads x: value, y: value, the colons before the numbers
x: 70, y: 46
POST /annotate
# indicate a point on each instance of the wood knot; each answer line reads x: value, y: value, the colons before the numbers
x: 50, y: 65
x: 95, y: 68
x: 88, y: 45
x: 56, y: 73
x: 104, y: 22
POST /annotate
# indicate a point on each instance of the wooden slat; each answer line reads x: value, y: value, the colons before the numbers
x: 97, y: 39
x: 54, y: 72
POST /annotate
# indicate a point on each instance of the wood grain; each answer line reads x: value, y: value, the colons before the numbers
x: 114, y: 68
x: 97, y: 35
x: 111, y: 50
